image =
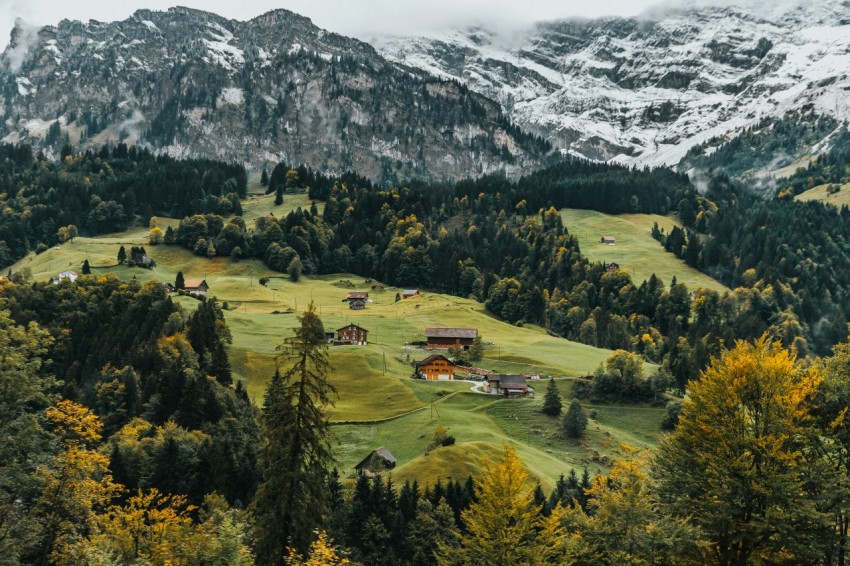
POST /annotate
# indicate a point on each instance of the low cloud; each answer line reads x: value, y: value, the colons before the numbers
x: 24, y: 37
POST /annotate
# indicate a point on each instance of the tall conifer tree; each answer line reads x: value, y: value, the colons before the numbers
x: 295, y: 456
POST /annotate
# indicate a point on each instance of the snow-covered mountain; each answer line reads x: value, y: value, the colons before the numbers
x: 275, y: 88
x: 645, y: 90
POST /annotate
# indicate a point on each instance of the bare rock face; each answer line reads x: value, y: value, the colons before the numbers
x: 644, y: 90
x: 275, y: 88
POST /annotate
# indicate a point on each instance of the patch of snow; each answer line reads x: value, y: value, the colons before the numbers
x: 25, y: 87
x: 231, y: 95
x: 219, y: 49
x: 151, y: 26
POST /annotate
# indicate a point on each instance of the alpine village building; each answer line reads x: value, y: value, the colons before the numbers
x: 353, y: 335
x: 507, y: 384
x: 356, y: 299
x: 197, y: 286
x: 435, y: 367
x: 445, y: 338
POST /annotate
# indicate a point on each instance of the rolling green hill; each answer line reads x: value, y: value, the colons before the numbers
x: 379, y: 405
x: 636, y: 250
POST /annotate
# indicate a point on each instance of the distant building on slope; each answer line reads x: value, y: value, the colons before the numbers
x: 380, y: 460
x: 435, y: 367
x: 507, y: 385
x: 356, y: 299
x: 407, y: 293
x: 196, y: 286
x: 65, y: 275
x: 445, y: 338
x: 610, y: 240
x: 353, y: 335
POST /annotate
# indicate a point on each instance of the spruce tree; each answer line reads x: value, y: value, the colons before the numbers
x: 264, y: 178
x: 552, y: 401
x: 575, y: 421
x: 295, y: 455
x: 122, y: 255
x: 86, y: 267
x: 179, y: 282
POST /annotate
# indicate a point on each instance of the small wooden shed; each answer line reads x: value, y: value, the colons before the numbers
x: 380, y: 460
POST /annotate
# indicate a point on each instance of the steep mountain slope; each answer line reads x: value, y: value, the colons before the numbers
x: 644, y: 90
x: 274, y: 88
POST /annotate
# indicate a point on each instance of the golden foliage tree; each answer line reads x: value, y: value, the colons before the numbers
x: 322, y: 553
x: 504, y: 526
x: 623, y: 524
x: 77, y: 485
x: 739, y: 464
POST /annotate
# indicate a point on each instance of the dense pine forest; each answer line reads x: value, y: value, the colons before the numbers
x: 129, y: 441
x: 107, y: 191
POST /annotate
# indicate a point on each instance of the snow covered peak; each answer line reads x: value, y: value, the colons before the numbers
x: 644, y: 90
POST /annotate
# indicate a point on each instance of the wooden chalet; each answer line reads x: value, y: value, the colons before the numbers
x: 611, y: 267
x: 196, y: 286
x: 610, y: 240
x: 407, y: 293
x: 353, y: 335
x: 435, y: 367
x: 356, y: 299
x: 380, y: 460
x: 507, y: 385
x: 169, y: 288
x: 444, y: 338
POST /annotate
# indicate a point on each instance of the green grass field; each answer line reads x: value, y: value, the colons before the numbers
x: 258, y: 204
x: 378, y: 404
x: 820, y: 193
x: 636, y: 250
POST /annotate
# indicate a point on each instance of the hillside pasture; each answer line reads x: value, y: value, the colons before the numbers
x: 379, y: 404
x: 821, y: 193
x: 636, y: 250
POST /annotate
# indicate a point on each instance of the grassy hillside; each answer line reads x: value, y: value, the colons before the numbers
x: 636, y: 250
x: 379, y: 405
x: 820, y: 193
x: 258, y: 204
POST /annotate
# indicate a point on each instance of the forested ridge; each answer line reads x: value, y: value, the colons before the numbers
x: 795, y: 254
x: 104, y: 191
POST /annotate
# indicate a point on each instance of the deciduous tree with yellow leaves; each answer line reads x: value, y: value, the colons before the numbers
x: 739, y: 464
x: 504, y: 527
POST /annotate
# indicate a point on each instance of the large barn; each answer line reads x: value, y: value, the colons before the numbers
x: 445, y: 338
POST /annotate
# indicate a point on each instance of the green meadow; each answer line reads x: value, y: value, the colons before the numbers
x: 378, y: 404
x: 636, y: 250
x: 820, y: 193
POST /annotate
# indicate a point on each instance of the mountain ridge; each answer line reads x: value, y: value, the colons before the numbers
x: 190, y: 83
x: 644, y: 90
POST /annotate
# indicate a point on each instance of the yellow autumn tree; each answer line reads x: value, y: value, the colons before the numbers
x: 739, y: 465
x: 504, y: 527
x: 77, y: 485
x: 322, y: 553
x: 623, y: 524
x: 155, y: 236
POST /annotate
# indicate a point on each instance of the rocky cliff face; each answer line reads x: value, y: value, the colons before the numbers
x: 643, y: 91
x: 274, y: 88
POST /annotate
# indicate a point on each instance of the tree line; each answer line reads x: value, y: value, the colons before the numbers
x: 103, y: 191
